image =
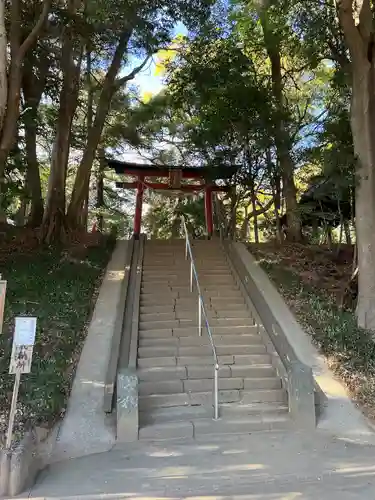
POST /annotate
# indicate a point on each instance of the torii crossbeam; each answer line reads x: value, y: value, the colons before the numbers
x: 145, y: 176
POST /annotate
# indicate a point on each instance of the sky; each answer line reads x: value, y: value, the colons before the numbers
x: 146, y: 80
x: 148, y: 83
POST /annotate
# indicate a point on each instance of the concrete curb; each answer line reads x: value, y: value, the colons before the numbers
x: 339, y: 416
x: 20, y: 466
x: 85, y: 428
x: 299, y: 379
x: 127, y: 379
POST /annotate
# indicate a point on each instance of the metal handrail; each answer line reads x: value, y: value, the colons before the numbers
x: 202, y: 311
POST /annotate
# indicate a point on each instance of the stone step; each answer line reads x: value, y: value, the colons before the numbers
x: 167, y: 324
x: 186, y: 413
x: 193, y: 332
x: 207, y: 360
x: 176, y: 386
x: 213, y: 313
x: 207, y: 427
x: 172, y: 430
x: 191, y: 324
x: 205, y: 398
x: 219, y: 340
x: 189, y: 299
x: 162, y: 373
x: 203, y: 281
x: 204, y: 372
x: 241, y: 426
x: 248, y: 359
x: 217, y: 301
x: 173, y: 414
x: 182, y: 274
x: 160, y: 387
x: 157, y: 373
x: 158, y: 308
x: 222, y: 350
x: 183, y: 267
x: 192, y: 314
x: 186, y: 399
x: 183, y: 291
x: 176, y: 261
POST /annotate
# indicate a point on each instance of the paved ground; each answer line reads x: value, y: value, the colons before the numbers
x: 282, y: 466
x: 262, y: 466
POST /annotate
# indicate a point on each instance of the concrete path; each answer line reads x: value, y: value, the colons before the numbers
x: 262, y: 466
x: 85, y: 429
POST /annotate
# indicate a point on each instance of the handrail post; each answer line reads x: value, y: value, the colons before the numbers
x: 199, y: 316
x: 216, y: 392
x: 202, y: 312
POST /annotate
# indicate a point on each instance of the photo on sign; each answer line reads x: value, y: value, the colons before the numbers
x: 20, y: 361
x: 25, y: 328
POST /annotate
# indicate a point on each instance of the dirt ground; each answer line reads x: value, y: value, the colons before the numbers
x: 316, y: 265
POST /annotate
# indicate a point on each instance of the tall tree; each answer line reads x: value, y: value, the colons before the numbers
x: 357, y: 22
x: 120, y: 31
x: 72, y: 46
x: 20, y: 43
x: 282, y: 135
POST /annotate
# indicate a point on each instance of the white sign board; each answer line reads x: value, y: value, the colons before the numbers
x: 3, y: 289
x: 23, y: 344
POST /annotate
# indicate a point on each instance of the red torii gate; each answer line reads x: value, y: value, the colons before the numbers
x: 206, y: 175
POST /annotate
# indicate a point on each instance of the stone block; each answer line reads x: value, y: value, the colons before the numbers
x: 127, y: 406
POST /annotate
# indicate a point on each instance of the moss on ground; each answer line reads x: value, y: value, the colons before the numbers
x: 349, y: 349
x: 60, y: 290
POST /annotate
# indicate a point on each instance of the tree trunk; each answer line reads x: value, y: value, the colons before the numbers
x: 359, y: 36
x: 20, y: 216
x: 255, y: 218
x: 33, y: 183
x: 100, y: 191
x: 245, y: 226
x: 348, y: 237
x: 233, y: 215
x: 33, y: 84
x: 90, y: 115
x: 282, y: 136
x: 3, y: 64
x: 18, y: 51
x: 54, y: 223
x: 82, y: 180
x: 276, y: 193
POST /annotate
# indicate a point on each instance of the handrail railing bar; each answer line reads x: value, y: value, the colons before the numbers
x: 202, y: 311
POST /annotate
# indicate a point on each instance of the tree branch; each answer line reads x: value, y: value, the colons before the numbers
x: 352, y: 35
x: 34, y: 33
x: 260, y: 211
x: 121, y: 81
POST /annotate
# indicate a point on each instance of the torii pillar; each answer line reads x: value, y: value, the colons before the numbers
x: 208, y: 210
x: 138, y: 207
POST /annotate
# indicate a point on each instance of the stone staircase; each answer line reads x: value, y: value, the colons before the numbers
x: 175, y: 364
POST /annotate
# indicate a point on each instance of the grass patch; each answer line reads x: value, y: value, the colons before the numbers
x: 60, y: 291
x: 350, y: 350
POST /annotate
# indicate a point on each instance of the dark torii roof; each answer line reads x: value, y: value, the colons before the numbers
x: 205, y: 172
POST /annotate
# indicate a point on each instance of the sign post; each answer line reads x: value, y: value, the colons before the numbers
x: 20, y: 362
x: 3, y: 289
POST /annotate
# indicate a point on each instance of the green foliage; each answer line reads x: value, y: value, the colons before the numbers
x: 164, y: 221
x: 350, y: 348
x: 59, y: 290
